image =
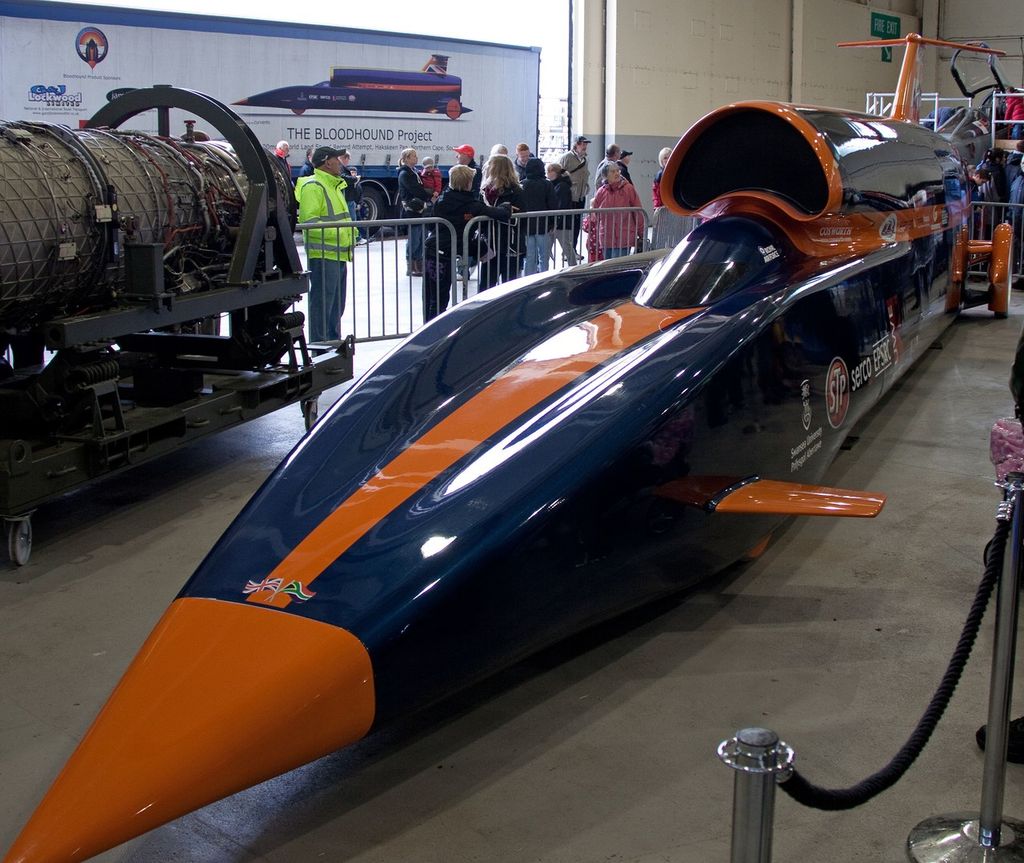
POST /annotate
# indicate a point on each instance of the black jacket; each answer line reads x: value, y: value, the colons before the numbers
x: 538, y: 195
x: 563, y: 199
x: 504, y: 237
x: 353, y: 191
x: 457, y: 208
x: 411, y: 188
x: 1013, y: 168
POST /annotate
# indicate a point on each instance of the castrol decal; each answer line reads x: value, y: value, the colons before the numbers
x: 837, y: 392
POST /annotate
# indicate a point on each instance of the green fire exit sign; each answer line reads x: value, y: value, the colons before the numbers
x: 885, y: 27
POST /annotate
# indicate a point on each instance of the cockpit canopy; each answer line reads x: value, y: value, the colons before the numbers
x: 719, y: 258
x: 975, y: 73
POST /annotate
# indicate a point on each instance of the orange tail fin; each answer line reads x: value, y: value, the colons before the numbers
x: 907, y: 104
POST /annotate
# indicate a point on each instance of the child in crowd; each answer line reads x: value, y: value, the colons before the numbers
x: 431, y: 177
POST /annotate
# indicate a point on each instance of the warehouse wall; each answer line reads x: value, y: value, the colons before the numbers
x: 648, y: 69
x: 997, y: 22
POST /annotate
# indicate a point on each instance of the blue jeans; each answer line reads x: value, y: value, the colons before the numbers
x: 414, y: 246
x: 616, y: 253
x: 326, y: 299
x: 538, y: 250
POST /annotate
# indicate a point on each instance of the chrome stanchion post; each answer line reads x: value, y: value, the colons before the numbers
x: 1001, y: 689
x: 759, y: 759
x: 988, y: 837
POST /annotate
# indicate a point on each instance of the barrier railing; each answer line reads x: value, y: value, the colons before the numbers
x: 385, y: 300
x: 548, y: 240
x: 384, y: 297
x: 1001, y: 129
x: 668, y: 228
x: 985, y: 215
x: 880, y: 105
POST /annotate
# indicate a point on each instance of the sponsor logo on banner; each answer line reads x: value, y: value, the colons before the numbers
x: 837, y: 392
x: 92, y: 46
x: 54, y: 95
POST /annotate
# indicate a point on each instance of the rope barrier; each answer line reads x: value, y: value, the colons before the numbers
x: 805, y: 792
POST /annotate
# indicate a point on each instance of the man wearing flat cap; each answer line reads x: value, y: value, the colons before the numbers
x: 575, y: 164
x: 465, y: 156
x: 623, y: 162
x: 322, y: 199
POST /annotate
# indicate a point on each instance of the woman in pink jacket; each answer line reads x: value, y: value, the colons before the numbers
x: 615, y: 232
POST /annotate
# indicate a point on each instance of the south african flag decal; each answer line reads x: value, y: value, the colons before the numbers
x: 296, y: 589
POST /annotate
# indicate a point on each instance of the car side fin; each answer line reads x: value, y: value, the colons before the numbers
x: 755, y: 496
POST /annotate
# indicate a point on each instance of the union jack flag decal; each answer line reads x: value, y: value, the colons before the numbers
x: 272, y: 584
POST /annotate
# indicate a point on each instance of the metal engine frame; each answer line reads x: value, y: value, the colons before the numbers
x: 132, y: 380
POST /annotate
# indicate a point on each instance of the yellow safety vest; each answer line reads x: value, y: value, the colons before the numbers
x: 327, y: 205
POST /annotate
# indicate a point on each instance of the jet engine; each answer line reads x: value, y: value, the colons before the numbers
x: 120, y: 254
x: 78, y: 204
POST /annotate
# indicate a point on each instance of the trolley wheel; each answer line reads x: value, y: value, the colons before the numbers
x: 310, y: 411
x: 19, y: 540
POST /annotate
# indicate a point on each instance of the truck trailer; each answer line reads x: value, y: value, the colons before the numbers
x: 373, y: 93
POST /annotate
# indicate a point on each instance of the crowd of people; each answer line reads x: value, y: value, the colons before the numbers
x: 519, y: 182
x: 997, y: 179
x: 328, y: 190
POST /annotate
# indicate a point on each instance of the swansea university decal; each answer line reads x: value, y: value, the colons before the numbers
x: 91, y: 45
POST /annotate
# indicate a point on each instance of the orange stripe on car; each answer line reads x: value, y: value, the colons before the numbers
x: 520, y: 388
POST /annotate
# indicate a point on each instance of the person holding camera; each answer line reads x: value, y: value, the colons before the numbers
x: 414, y: 199
x: 353, y: 191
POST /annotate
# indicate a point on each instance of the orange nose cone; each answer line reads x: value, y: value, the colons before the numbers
x: 220, y: 697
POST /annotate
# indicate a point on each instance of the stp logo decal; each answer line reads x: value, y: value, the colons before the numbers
x: 837, y: 392
x: 91, y: 45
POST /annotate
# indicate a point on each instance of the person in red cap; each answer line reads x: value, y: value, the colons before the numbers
x: 465, y: 157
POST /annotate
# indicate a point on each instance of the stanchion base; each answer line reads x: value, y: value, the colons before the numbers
x: 954, y: 839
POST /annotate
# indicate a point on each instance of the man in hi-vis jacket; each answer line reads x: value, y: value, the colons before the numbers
x: 322, y: 199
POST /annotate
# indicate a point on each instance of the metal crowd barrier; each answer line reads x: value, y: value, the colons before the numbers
x: 669, y: 228
x: 985, y: 215
x: 386, y: 298
x: 548, y: 240
x: 385, y: 295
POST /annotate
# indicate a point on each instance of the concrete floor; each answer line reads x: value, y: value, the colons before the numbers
x: 603, y: 748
